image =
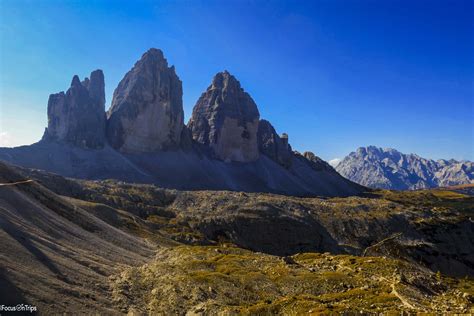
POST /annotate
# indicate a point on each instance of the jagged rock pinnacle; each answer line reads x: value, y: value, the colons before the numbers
x: 78, y: 116
x: 226, y: 118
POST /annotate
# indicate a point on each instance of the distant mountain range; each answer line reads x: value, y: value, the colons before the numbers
x: 142, y: 138
x: 390, y: 169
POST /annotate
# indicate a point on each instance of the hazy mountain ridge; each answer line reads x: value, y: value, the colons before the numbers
x: 390, y: 169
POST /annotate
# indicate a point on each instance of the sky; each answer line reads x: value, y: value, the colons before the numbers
x: 335, y: 75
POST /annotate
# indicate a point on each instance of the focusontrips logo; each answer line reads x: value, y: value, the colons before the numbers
x: 18, y: 308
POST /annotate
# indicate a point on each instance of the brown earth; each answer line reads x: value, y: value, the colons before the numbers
x: 111, y: 247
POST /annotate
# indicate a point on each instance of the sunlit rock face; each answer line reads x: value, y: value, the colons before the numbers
x: 77, y: 117
x: 146, y: 114
x: 226, y: 118
x: 390, y: 169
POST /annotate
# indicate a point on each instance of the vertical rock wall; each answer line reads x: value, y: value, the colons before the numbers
x: 146, y: 114
x: 78, y: 116
x: 225, y: 118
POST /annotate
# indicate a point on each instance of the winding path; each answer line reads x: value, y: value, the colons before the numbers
x: 394, y: 292
x: 15, y: 183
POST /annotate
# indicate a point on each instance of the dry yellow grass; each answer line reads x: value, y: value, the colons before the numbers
x: 229, y: 280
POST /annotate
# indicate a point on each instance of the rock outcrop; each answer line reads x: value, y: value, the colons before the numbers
x: 272, y: 145
x: 317, y: 163
x: 226, y: 118
x: 78, y: 116
x: 390, y: 169
x: 146, y: 114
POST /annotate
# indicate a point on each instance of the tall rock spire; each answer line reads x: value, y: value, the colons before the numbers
x: 96, y: 86
x: 226, y: 118
x: 147, y: 107
x: 78, y: 116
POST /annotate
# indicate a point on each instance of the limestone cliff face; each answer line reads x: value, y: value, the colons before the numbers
x: 146, y: 114
x: 272, y: 145
x: 225, y: 118
x: 78, y: 116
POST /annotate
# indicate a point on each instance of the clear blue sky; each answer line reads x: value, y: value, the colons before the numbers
x: 334, y: 75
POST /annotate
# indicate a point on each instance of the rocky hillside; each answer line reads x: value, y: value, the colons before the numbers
x: 390, y: 169
x: 117, y: 248
x: 142, y: 138
x: 56, y: 255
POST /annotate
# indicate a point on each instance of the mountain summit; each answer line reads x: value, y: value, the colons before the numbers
x: 390, y: 169
x: 226, y: 118
x: 147, y: 107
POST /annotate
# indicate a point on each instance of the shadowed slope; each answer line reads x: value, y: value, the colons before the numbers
x: 64, y: 251
x: 182, y: 170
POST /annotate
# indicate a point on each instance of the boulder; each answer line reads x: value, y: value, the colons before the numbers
x: 78, y: 116
x: 225, y: 118
x: 146, y: 114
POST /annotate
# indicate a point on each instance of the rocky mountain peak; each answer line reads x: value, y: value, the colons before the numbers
x: 226, y: 118
x: 146, y: 114
x: 152, y: 59
x: 390, y: 169
x: 224, y: 80
x: 76, y: 82
x: 153, y: 53
x: 78, y: 116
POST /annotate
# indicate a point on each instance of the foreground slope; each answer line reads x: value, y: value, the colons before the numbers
x: 434, y: 227
x: 390, y: 169
x: 55, y: 255
x: 74, y: 246
x: 233, y: 281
